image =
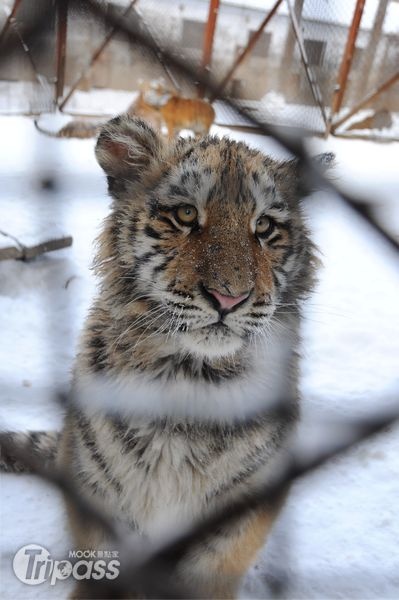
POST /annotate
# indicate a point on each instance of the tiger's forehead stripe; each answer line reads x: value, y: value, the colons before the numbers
x: 266, y: 197
x: 223, y: 179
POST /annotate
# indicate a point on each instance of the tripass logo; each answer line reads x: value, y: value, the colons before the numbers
x: 33, y: 565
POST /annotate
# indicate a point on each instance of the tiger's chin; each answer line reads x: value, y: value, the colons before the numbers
x: 211, y: 342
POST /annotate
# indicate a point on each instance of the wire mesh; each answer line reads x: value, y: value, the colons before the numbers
x: 288, y: 77
x: 375, y: 61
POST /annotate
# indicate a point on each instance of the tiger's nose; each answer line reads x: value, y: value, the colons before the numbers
x: 224, y: 303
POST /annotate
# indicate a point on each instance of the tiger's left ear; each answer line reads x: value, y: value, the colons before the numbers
x: 127, y: 148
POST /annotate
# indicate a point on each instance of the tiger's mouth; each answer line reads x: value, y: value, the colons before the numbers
x: 212, y: 341
x: 218, y: 326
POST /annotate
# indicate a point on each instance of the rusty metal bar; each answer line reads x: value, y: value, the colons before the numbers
x: 26, y: 50
x: 62, y: 27
x: 9, y: 20
x: 381, y: 139
x: 251, y: 43
x: 97, y: 53
x: 208, y: 40
x: 346, y: 63
x: 382, y: 88
x: 314, y: 86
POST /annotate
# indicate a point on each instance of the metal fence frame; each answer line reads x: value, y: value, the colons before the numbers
x: 334, y: 121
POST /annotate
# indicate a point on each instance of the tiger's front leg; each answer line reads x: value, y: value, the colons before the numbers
x: 216, y: 566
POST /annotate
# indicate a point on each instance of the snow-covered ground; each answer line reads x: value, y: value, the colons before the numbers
x: 337, y: 536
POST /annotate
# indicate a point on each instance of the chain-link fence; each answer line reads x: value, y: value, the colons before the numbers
x: 301, y: 63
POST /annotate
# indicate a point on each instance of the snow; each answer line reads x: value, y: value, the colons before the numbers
x: 337, y: 535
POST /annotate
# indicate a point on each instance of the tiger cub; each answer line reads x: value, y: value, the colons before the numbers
x: 175, y: 111
x: 187, y: 113
x: 189, y: 344
x: 141, y: 109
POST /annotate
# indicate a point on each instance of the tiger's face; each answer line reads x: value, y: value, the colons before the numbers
x: 156, y: 93
x: 206, y: 237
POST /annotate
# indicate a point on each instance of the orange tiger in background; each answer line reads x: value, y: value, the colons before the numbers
x: 156, y: 99
x: 140, y: 107
x: 158, y: 105
x: 187, y: 113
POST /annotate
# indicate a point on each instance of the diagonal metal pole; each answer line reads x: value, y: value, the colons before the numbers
x: 42, y: 81
x: 155, y: 47
x: 370, y: 98
x: 251, y: 43
x: 11, y: 22
x: 10, y: 19
x: 26, y: 49
x: 97, y: 53
x: 314, y: 86
x: 289, y: 46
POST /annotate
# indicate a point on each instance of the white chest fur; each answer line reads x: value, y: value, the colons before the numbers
x: 259, y: 387
x: 168, y: 480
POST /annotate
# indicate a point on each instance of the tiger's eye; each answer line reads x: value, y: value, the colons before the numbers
x: 186, y: 214
x: 264, y: 225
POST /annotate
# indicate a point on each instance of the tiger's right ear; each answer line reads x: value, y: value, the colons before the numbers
x: 126, y: 148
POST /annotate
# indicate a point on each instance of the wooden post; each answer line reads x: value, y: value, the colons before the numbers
x: 346, y: 63
x: 9, y: 20
x: 382, y: 88
x: 62, y: 25
x: 251, y: 43
x: 208, y: 41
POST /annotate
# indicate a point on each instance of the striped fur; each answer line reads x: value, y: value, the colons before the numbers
x: 174, y: 411
x: 40, y: 445
x: 174, y: 414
